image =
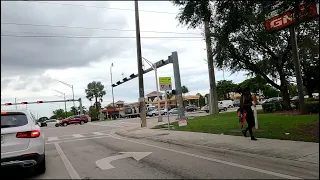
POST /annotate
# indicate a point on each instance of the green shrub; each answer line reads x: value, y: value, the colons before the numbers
x: 312, y: 107
x: 268, y: 107
x: 306, y: 100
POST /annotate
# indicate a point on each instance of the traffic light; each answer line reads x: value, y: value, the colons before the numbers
x: 125, y: 79
x: 8, y: 104
x: 39, y: 102
x: 24, y: 102
x: 132, y: 75
x: 118, y: 82
x: 113, y: 85
x: 173, y: 92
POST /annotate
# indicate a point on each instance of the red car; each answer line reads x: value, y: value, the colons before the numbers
x: 74, y: 120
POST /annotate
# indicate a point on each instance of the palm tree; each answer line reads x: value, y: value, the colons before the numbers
x: 184, y: 90
x: 95, y: 90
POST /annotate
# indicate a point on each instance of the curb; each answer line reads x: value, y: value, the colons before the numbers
x: 214, y: 149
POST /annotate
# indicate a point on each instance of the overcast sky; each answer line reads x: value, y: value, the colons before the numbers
x: 31, y: 66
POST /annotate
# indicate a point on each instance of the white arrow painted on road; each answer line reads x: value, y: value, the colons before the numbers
x: 104, y: 163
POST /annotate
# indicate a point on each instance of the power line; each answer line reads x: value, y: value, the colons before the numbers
x: 102, y: 7
x: 92, y: 28
x: 94, y: 37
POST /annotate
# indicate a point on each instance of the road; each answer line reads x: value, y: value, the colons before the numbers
x: 92, y: 151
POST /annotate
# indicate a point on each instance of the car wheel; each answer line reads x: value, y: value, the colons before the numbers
x: 65, y: 124
x: 57, y: 125
x: 41, y: 167
x: 82, y: 122
x: 153, y: 114
x: 225, y: 109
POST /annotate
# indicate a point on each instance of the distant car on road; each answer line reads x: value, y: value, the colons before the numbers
x: 82, y: 119
x: 22, y: 142
x: 191, y: 108
x: 173, y: 111
x: 52, y: 123
x: 220, y: 106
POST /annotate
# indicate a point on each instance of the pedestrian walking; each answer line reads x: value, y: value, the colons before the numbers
x: 245, y: 105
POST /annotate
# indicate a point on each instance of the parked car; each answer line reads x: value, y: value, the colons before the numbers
x: 163, y: 111
x: 173, y: 111
x: 191, y: 108
x: 227, y: 103
x: 220, y: 106
x: 22, y: 142
x: 152, y: 113
x: 236, y: 103
x: 52, y: 123
x: 74, y: 120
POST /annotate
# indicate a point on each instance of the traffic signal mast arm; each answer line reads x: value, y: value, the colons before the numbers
x: 38, y: 102
x: 132, y: 76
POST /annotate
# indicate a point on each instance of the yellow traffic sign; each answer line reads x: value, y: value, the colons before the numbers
x: 164, y: 80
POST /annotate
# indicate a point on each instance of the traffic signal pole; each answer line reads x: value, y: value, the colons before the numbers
x: 40, y: 102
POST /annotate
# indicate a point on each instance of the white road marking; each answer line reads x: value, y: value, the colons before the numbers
x: 98, y: 133
x: 111, y: 125
x: 69, y: 140
x: 214, y: 160
x: 53, y: 138
x: 78, y: 135
x: 72, y: 172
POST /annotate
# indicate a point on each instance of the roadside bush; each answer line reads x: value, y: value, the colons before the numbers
x: 272, y: 107
x: 306, y: 100
x: 312, y: 107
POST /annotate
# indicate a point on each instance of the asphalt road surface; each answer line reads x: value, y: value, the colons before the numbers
x: 91, y: 151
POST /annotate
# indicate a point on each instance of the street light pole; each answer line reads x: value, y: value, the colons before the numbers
x: 154, y: 67
x: 111, y: 85
x: 70, y: 86
x: 140, y: 70
x: 64, y: 98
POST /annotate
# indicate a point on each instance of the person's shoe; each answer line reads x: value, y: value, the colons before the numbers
x: 244, y: 133
x: 253, y: 138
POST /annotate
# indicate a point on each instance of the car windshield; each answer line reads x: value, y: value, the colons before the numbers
x: 13, y: 120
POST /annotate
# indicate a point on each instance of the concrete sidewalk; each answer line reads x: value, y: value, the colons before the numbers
x: 291, y: 150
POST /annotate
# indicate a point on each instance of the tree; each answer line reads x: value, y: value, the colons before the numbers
x: 95, y: 90
x: 93, y: 112
x: 184, y: 90
x: 60, y: 113
x: 74, y: 110
x: 224, y: 88
x: 241, y: 43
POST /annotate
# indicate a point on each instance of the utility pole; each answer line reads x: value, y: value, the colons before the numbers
x: 296, y: 61
x: 140, y: 70
x: 213, y: 107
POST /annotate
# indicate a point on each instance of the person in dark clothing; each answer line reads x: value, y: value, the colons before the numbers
x: 245, y: 104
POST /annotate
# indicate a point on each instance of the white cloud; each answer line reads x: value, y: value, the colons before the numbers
x: 121, y: 52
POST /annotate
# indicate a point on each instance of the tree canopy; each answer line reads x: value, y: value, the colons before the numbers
x: 240, y: 42
x: 95, y: 90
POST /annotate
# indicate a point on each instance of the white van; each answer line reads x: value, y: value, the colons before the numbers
x: 227, y: 103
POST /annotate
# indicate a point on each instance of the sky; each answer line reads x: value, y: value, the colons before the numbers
x: 78, y: 41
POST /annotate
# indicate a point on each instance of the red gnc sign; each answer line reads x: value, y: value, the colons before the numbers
x: 283, y: 20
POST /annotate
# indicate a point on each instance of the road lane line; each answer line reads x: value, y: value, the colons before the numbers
x: 70, y: 140
x: 72, y: 172
x: 53, y: 138
x: 214, y: 160
x: 98, y: 133
x: 77, y: 135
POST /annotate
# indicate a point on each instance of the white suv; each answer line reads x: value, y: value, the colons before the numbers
x: 22, y: 143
